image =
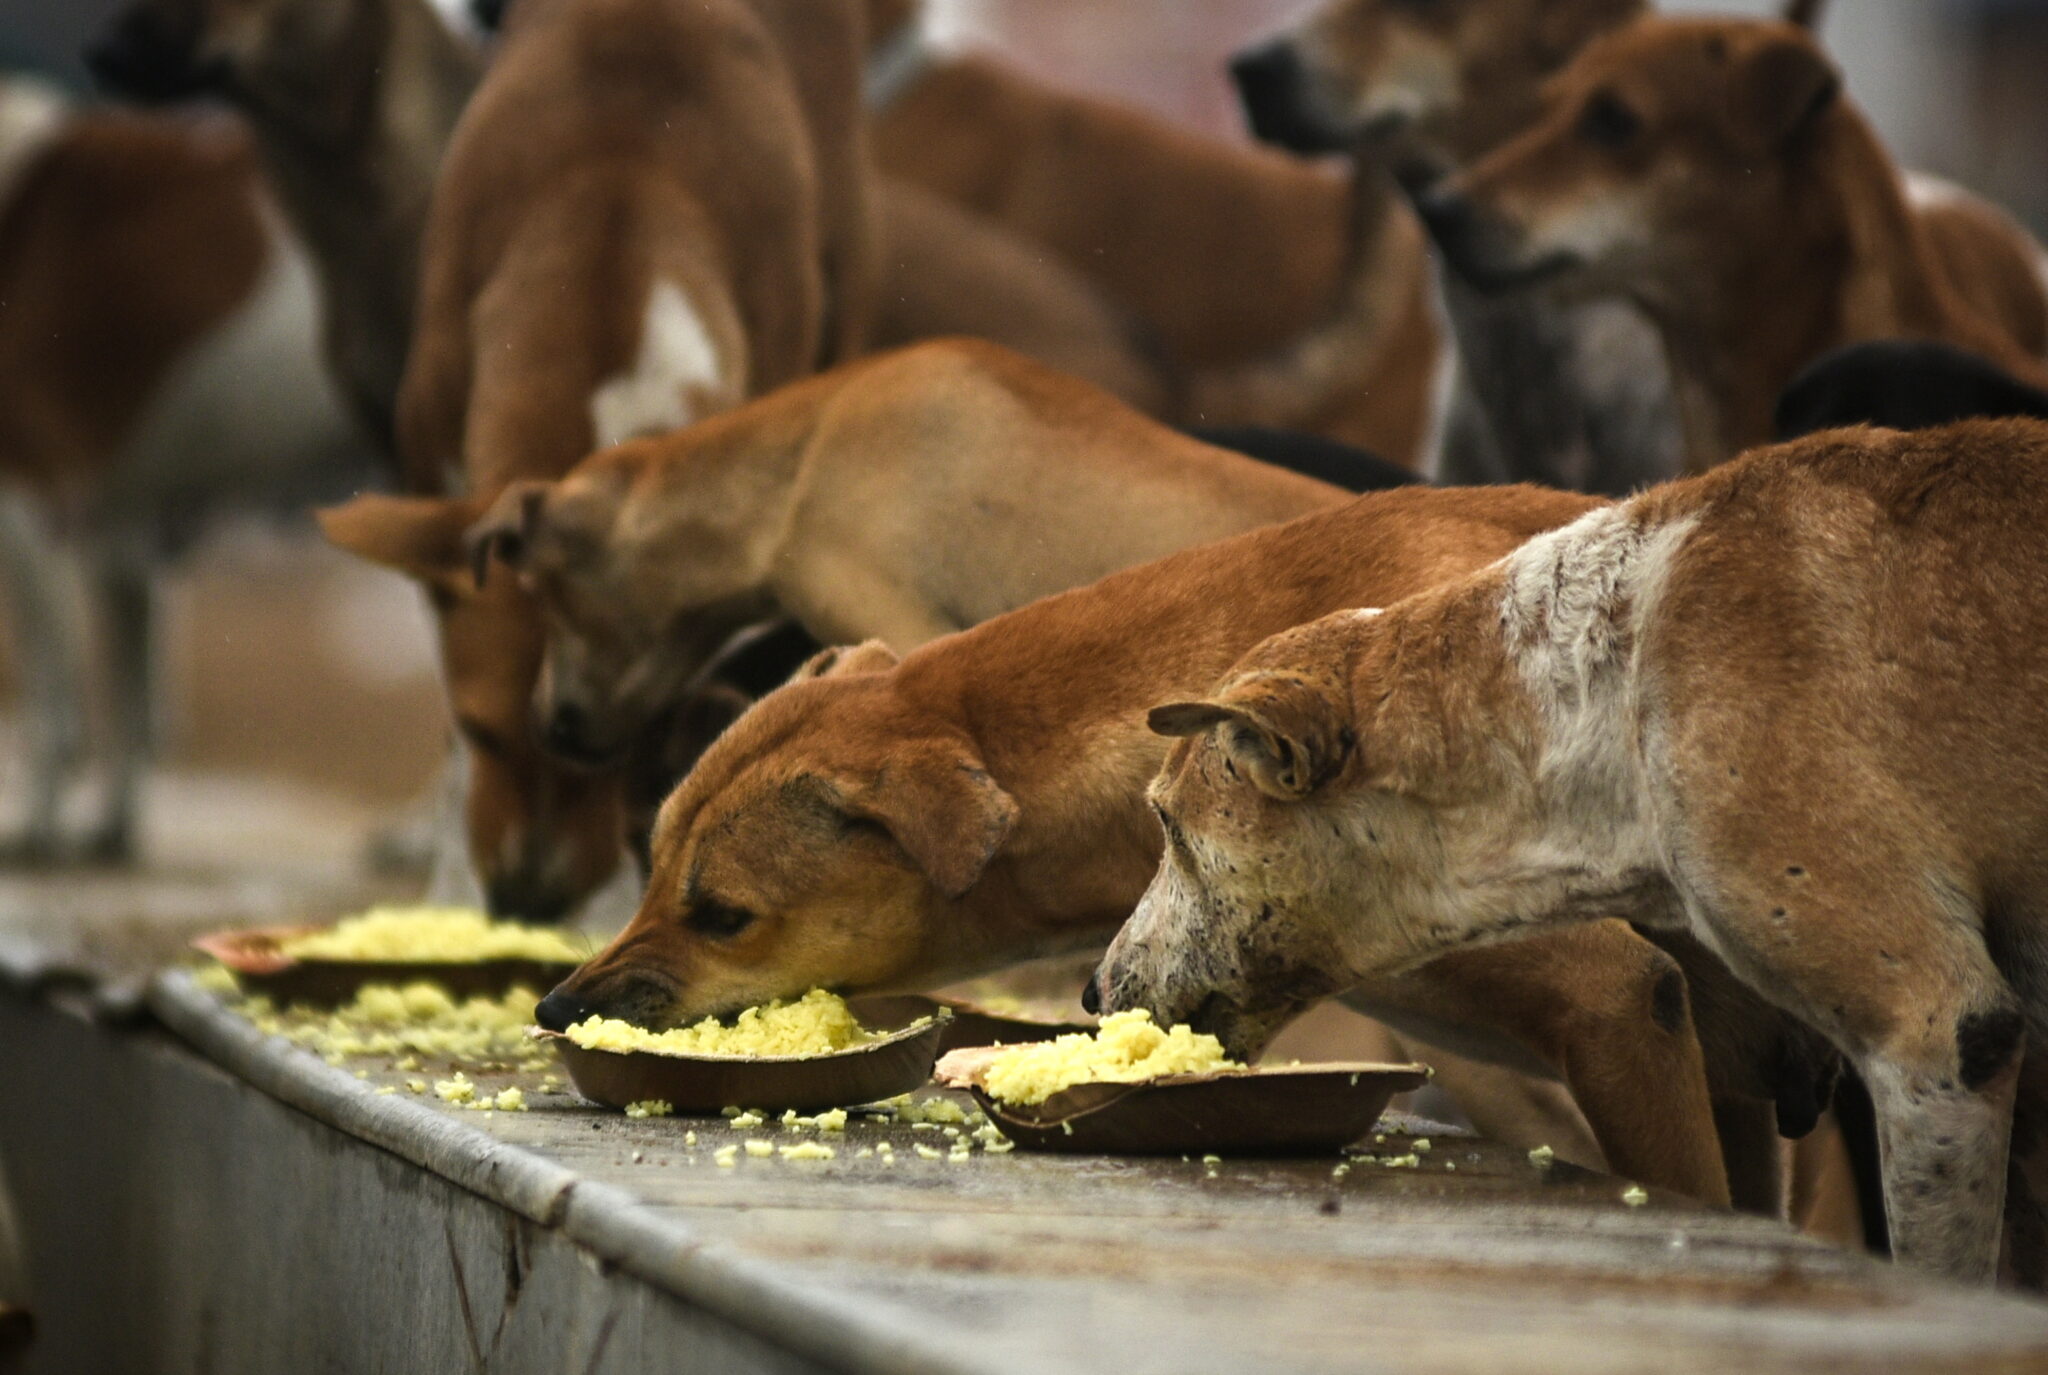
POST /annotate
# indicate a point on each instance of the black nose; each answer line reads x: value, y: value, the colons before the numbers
x: 490, y: 14
x: 568, y: 729
x: 1448, y: 216
x: 1274, y: 88
x: 1091, y: 995
x: 561, y: 1010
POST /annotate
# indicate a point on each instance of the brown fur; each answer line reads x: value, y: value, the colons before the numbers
x: 1728, y: 188
x: 615, y: 145
x: 1787, y: 706
x: 1235, y: 261
x: 124, y: 243
x: 882, y: 826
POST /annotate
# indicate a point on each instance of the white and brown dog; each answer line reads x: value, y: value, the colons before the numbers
x: 649, y: 213
x: 1788, y: 707
x: 159, y: 368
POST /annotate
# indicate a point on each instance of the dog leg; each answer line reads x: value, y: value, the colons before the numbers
x: 1748, y: 1131
x: 1608, y: 1013
x: 49, y: 655
x: 128, y: 601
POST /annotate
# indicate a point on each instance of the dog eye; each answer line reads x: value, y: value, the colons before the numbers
x: 1609, y: 123
x: 720, y: 920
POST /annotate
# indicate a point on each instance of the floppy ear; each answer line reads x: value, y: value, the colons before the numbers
x: 1781, y: 87
x: 421, y: 537
x: 508, y: 529
x: 942, y: 807
x: 1286, y: 735
x: 870, y: 656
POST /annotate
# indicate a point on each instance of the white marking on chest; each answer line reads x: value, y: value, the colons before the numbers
x: 31, y: 115
x: 677, y: 360
x: 1924, y: 191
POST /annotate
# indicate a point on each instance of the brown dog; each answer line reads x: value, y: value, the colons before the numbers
x: 1711, y: 172
x: 635, y: 226
x: 884, y: 826
x: 1269, y: 295
x: 1571, y: 393
x: 1787, y: 707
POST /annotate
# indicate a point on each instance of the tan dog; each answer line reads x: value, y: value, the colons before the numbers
x: 353, y: 102
x: 1788, y: 707
x: 900, y: 498
x: 1711, y: 172
x: 159, y: 367
x: 885, y: 826
x: 601, y: 268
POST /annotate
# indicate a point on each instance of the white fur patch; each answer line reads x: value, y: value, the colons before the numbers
x: 1925, y: 191
x: 677, y: 358
x: 1571, y: 615
x: 31, y: 114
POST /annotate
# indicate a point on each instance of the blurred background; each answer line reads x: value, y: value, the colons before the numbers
x: 309, y: 679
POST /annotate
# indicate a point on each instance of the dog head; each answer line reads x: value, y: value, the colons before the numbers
x: 542, y: 836
x: 636, y: 595
x: 1307, y: 845
x: 825, y: 840
x: 1667, y: 146
x: 1447, y: 78
x: 174, y: 49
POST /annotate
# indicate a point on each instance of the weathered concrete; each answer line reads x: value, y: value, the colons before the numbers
x: 1013, y: 1263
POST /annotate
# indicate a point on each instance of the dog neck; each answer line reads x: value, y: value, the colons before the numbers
x: 355, y: 173
x: 1510, y: 702
x: 1850, y: 262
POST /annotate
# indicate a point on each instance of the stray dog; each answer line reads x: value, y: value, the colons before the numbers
x: 899, y: 498
x: 878, y: 826
x: 1270, y: 291
x: 1572, y: 393
x: 1786, y: 707
x: 352, y: 103
x: 159, y: 368
x: 1711, y: 172
x: 597, y: 269
x: 1903, y: 384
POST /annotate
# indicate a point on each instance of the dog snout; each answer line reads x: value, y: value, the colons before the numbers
x: 562, y: 1009
x: 1274, y: 87
x: 145, y: 55
x: 1091, y: 993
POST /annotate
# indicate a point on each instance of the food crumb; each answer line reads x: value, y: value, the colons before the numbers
x: 1634, y: 1196
x: 689, y: 1138
x: 745, y: 1120
x: 1420, y: 1145
x: 457, y: 1089
x: 929, y: 1152
x: 415, y: 1086
x: 650, y: 1107
x: 758, y: 1148
x: 388, y: 1088
x: 725, y: 1157
x: 1542, y: 1157
x: 831, y: 1120
x: 509, y: 1100
x: 807, y: 1150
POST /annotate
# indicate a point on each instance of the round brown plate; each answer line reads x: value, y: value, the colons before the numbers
x: 1283, y: 1110
x: 257, y: 957
x: 700, y: 1085
x: 973, y: 1025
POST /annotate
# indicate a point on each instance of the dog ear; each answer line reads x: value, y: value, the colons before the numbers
x: 421, y: 537
x: 507, y: 531
x: 870, y: 656
x: 941, y: 806
x: 1287, y: 735
x: 1781, y: 87
x: 1807, y: 14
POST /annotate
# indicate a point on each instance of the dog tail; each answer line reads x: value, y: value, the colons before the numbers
x: 1807, y: 14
